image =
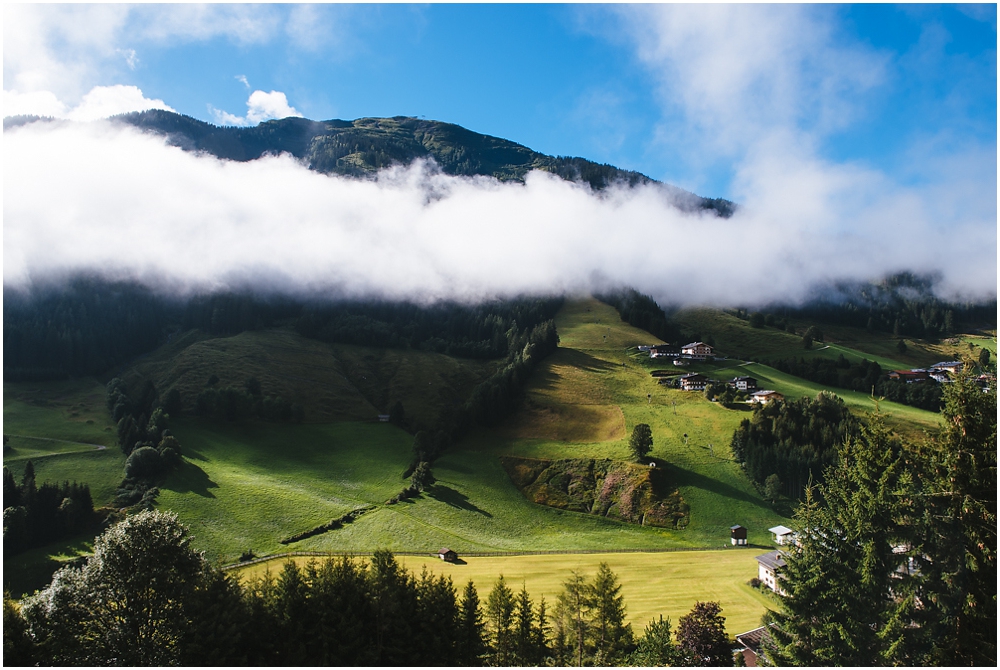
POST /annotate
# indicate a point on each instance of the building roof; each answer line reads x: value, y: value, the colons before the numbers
x: 445, y: 550
x: 752, y: 639
x: 696, y: 344
x: 765, y: 392
x: 947, y: 364
x: 736, y: 527
x: 781, y: 530
x: 771, y: 559
x: 692, y: 375
x: 743, y: 379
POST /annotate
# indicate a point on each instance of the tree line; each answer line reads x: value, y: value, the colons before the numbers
x: 795, y: 440
x: 146, y: 597
x: 903, y: 305
x: 85, y: 327
x: 144, y: 437
x: 35, y: 515
x: 896, y: 556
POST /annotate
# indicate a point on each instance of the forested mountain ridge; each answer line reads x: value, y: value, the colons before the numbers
x: 362, y: 147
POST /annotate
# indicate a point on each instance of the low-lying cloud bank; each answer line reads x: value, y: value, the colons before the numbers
x: 99, y: 197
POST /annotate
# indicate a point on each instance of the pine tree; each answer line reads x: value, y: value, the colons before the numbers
x: 573, y: 616
x: 957, y: 546
x: 524, y: 631
x: 847, y: 602
x: 500, y: 624
x: 613, y: 638
x: 471, y: 644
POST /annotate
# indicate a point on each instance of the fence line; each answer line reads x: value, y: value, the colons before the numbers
x: 471, y: 554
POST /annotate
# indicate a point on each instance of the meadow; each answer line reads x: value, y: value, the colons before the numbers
x: 246, y: 486
x: 667, y: 583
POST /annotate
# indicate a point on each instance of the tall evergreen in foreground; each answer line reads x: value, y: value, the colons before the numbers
x: 897, y: 561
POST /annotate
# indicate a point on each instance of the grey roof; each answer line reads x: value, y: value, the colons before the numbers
x: 735, y: 527
x: 753, y: 638
x: 771, y: 559
x: 781, y: 530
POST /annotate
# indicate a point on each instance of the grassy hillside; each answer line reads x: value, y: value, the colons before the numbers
x: 652, y: 583
x: 331, y: 382
x: 64, y: 429
x: 249, y: 485
x: 736, y: 338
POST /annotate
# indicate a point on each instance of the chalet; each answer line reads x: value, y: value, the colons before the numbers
x: 681, y: 363
x: 384, y: 418
x: 738, y: 535
x: 693, y: 382
x: 448, y: 555
x: 954, y: 367
x: 743, y: 383
x: 765, y: 396
x: 910, y: 376
x: 662, y: 350
x: 769, y: 567
x: 697, y: 350
x: 940, y: 376
x: 782, y: 535
x: 752, y: 642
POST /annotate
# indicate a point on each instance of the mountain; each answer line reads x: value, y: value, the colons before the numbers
x: 361, y: 147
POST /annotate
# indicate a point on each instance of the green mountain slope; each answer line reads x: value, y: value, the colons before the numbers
x: 363, y: 146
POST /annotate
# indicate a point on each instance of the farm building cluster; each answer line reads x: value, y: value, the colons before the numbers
x: 695, y: 381
x: 942, y: 373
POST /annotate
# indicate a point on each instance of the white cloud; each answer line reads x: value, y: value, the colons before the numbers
x: 242, y: 78
x: 68, y: 49
x: 36, y: 103
x: 101, y: 102
x: 261, y: 106
x: 129, y: 205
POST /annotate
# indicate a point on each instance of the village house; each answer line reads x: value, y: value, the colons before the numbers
x: 693, y: 382
x: 765, y: 396
x: 662, y: 350
x: 954, y: 367
x: 448, y: 555
x: 697, y: 350
x: 752, y: 642
x: 769, y: 567
x: 743, y: 383
x: 940, y: 376
x: 738, y: 535
x: 910, y: 376
x: 782, y: 535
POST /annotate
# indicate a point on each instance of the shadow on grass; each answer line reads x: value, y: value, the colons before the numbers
x: 190, y: 478
x: 453, y: 498
x: 546, y: 378
x: 684, y: 477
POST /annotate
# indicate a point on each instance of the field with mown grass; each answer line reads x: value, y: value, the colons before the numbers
x: 667, y: 583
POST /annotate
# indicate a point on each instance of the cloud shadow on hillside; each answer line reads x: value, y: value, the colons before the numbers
x: 453, y: 498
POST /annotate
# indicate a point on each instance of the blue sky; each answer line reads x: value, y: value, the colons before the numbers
x: 859, y: 140
x: 562, y: 79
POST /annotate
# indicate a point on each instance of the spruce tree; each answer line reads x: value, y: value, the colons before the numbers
x: 500, y: 624
x: 957, y: 545
x: 471, y: 644
x: 847, y: 601
x: 613, y: 637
